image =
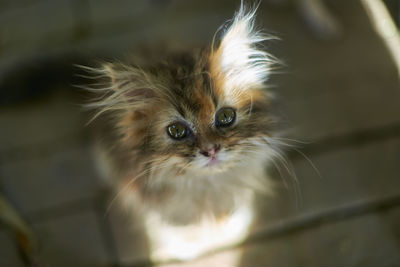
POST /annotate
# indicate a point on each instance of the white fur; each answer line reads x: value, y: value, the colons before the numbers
x: 190, y: 241
x: 229, y: 189
x: 244, y: 65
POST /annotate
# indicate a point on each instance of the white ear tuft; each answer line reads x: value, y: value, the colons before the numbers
x: 242, y: 64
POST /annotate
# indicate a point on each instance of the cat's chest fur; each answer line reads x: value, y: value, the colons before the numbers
x: 201, y: 212
x: 187, y: 215
x: 192, y: 196
x: 185, y: 242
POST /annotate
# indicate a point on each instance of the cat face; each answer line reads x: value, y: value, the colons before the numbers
x: 204, y: 111
x: 193, y: 122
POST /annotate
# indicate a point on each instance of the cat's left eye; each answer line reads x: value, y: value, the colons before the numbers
x: 225, y: 117
x: 177, y: 130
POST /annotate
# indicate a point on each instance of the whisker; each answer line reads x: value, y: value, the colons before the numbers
x: 294, y: 147
x: 146, y: 171
x: 310, y: 162
x: 274, y: 145
x: 290, y: 169
x: 292, y: 140
x: 280, y: 172
x: 123, y: 190
x: 251, y: 105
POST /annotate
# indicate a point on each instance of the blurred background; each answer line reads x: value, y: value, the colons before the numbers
x: 337, y: 94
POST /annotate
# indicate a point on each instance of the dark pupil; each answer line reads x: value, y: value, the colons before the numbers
x: 225, y: 117
x: 177, y: 131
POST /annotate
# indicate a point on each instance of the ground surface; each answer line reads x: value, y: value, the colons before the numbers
x: 341, y: 97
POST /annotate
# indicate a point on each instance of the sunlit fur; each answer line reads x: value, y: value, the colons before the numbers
x: 238, y: 64
x: 171, y: 178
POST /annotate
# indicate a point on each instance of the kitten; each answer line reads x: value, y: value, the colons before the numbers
x: 187, y: 139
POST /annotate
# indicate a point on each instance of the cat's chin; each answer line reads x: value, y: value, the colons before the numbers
x: 213, y: 162
x: 214, y: 166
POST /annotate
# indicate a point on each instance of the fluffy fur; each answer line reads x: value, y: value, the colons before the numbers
x: 170, y: 180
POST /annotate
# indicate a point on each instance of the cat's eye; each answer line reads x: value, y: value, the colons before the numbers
x: 177, y: 130
x: 225, y: 117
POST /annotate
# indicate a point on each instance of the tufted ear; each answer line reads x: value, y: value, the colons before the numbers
x: 122, y: 88
x: 237, y: 62
x: 129, y: 81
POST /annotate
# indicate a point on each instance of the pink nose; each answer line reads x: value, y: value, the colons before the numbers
x: 211, y: 152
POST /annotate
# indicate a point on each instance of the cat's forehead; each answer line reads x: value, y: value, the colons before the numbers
x: 195, y: 102
x: 194, y: 90
x: 190, y: 87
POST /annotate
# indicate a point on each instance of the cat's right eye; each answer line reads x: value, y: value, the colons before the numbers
x: 177, y: 130
x: 225, y: 117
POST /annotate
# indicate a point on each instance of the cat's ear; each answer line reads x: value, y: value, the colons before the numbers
x: 122, y: 88
x: 130, y: 82
x: 237, y: 62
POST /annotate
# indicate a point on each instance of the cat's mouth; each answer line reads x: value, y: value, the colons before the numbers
x: 213, y: 161
x: 216, y: 162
